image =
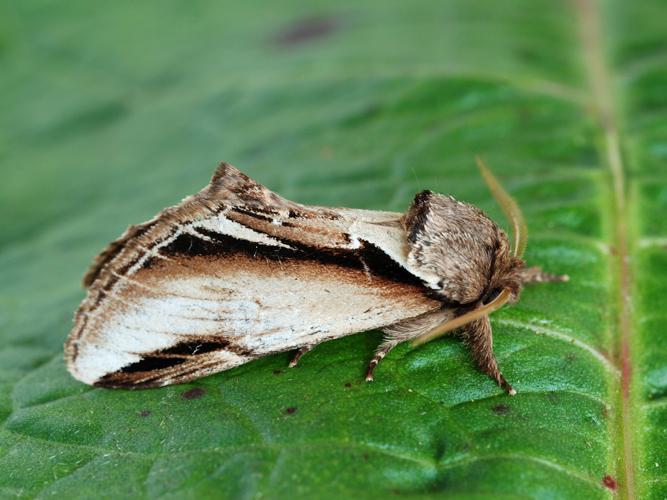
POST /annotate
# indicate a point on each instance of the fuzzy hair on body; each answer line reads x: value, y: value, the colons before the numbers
x: 236, y: 272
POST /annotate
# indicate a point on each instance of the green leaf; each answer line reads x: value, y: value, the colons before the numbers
x: 110, y: 114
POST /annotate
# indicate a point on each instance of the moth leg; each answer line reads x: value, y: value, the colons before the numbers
x: 380, y: 353
x: 536, y: 275
x: 479, y: 338
x: 302, y: 350
x: 406, y: 330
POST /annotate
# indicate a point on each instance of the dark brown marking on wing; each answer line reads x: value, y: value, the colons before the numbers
x: 265, y: 216
x: 138, y: 380
x: 220, y: 245
x: 188, y: 244
x: 193, y: 371
x: 182, y: 352
x: 153, y: 363
x: 169, y: 365
x: 304, y: 213
x: 177, y: 374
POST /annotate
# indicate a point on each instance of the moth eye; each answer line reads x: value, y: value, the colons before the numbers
x: 492, y: 295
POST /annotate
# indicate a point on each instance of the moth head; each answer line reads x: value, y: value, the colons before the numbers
x: 505, y: 275
x: 481, y: 270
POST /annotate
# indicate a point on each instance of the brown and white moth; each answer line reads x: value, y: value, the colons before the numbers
x: 237, y: 272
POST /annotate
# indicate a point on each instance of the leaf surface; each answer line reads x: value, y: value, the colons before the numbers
x: 111, y: 114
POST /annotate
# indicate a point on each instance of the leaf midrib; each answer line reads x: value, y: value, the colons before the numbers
x: 590, y: 26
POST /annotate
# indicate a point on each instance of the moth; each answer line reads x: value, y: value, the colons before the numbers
x: 236, y: 272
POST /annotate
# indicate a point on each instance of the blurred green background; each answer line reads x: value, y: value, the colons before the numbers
x: 111, y: 111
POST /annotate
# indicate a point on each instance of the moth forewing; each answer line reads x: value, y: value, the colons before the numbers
x: 232, y: 274
x: 237, y: 272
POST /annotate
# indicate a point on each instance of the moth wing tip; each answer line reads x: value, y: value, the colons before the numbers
x: 81, y: 376
x: 222, y: 170
x: 75, y: 371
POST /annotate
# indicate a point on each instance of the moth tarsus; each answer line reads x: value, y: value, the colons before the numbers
x: 236, y: 272
x: 300, y: 352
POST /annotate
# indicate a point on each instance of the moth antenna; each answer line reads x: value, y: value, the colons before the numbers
x: 464, y: 319
x: 508, y: 206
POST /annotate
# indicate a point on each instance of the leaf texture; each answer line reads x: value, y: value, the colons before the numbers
x: 111, y: 113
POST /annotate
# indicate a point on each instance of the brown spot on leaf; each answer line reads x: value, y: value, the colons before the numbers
x: 501, y: 409
x: 195, y: 393
x: 144, y: 413
x: 291, y: 410
x: 609, y: 482
x: 348, y: 384
x: 306, y: 30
